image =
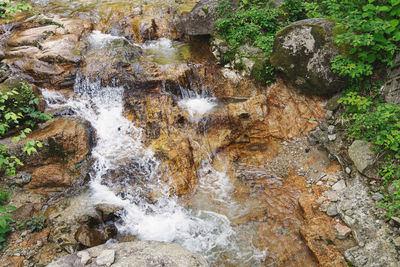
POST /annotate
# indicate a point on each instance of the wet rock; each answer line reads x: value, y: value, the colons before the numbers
x: 22, y: 178
x: 108, y: 211
x: 303, y: 52
x: 89, y: 237
x: 53, y: 175
x: 342, y: 231
x: 137, y: 254
x: 200, y: 21
x: 47, y: 52
x: 106, y: 257
x: 27, y: 211
x: 318, y: 234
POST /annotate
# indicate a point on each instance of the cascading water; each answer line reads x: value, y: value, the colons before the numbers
x: 119, y: 147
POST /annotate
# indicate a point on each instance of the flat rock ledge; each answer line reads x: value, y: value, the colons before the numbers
x: 133, y: 254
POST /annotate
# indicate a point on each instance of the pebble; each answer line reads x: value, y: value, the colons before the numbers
x: 348, y: 170
x: 339, y: 186
x: 377, y: 196
x: 332, y: 210
x: 331, y: 129
x: 319, y: 183
x: 332, y: 137
x: 342, y: 231
x: 333, y: 178
x: 331, y: 196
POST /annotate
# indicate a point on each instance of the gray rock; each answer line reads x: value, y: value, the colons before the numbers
x: 377, y: 196
x: 200, y: 21
x: 136, y: 254
x: 342, y: 231
x: 332, y: 210
x: 106, y: 257
x: 339, y: 186
x: 331, y: 196
x: 391, y: 89
x: 331, y: 129
x: 333, y: 103
x: 331, y: 137
x: 396, y: 241
x: 22, y: 178
x: 85, y: 257
x: 361, y: 153
x: 303, y: 52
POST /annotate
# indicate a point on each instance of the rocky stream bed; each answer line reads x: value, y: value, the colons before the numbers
x: 158, y: 156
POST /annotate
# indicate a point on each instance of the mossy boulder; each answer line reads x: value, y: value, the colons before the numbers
x: 303, y: 52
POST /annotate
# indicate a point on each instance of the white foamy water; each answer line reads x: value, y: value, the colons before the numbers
x: 197, y: 107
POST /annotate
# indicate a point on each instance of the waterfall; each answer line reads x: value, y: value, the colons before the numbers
x: 119, y: 149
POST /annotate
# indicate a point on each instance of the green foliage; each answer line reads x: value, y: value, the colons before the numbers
x: 9, y: 8
x: 255, y: 22
x: 378, y: 123
x: 34, y: 224
x: 250, y: 24
x: 369, y: 28
x: 4, y: 195
x: 19, y: 112
x: 368, y: 35
x: 263, y: 73
x: 5, y: 216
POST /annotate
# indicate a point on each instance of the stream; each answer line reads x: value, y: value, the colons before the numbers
x: 119, y: 146
x: 236, y: 203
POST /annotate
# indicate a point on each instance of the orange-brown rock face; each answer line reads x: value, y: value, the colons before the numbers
x: 65, y: 144
x: 45, y: 50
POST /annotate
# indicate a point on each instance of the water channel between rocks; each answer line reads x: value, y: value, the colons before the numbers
x: 238, y: 214
x: 119, y: 145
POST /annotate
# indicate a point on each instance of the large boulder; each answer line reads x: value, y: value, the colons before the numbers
x: 303, y: 52
x: 134, y: 254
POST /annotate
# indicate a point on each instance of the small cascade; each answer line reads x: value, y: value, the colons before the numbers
x: 119, y: 146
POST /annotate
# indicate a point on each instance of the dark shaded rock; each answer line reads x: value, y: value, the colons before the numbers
x: 303, y: 52
x: 108, y: 211
x: 89, y: 237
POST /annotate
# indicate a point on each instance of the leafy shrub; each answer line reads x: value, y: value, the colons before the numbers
x: 255, y: 23
x: 369, y: 30
x: 19, y: 112
x: 9, y: 8
x: 5, y: 216
x: 4, y: 195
